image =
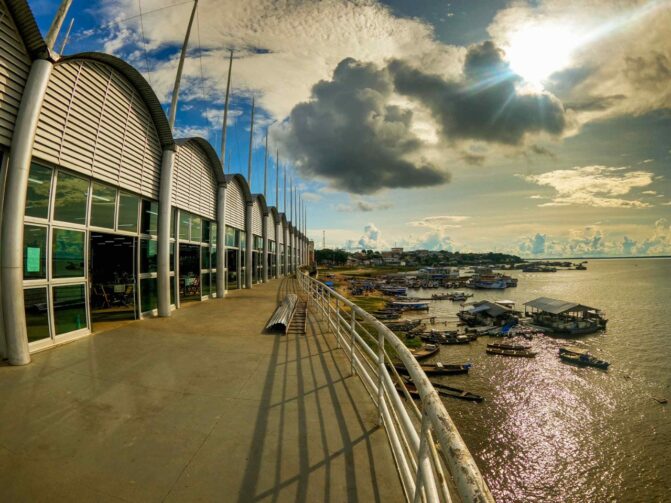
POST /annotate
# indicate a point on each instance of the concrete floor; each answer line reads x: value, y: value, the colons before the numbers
x: 199, y: 407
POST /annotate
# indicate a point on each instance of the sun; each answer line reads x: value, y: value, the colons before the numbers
x: 536, y: 52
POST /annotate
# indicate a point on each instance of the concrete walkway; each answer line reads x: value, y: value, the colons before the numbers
x: 199, y: 407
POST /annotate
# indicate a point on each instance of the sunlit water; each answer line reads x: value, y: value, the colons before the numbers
x: 548, y: 431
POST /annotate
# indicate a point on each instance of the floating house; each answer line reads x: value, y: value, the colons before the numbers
x: 485, y: 313
x: 564, y: 318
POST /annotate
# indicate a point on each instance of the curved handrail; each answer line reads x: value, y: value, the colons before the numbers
x: 468, y: 480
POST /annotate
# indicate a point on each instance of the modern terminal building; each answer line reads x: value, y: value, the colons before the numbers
x: 105, y: 216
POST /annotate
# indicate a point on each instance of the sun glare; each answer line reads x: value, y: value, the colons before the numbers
x: 536, y: 52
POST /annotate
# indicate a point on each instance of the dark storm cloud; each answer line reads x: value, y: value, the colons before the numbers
x: 485, y: 104
x: 350, y: 134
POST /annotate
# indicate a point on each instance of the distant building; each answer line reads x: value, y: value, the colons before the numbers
x: 397, y: 251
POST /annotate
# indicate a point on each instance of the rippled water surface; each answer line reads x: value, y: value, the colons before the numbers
x: 548, y: 431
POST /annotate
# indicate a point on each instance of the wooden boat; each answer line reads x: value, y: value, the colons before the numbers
x: 437, y: 369
x: 511, y: 352
x: 503, y: 345
x: 445, y: 391
x: 584, y: 359
x: 425, y: 351
x: 445, y: 338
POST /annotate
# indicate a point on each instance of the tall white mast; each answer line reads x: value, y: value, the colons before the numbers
x: 251, y: 144
x: 265, y: 170
x: 225, y: 122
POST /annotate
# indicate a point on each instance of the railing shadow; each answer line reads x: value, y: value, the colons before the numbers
x: 319, y: 409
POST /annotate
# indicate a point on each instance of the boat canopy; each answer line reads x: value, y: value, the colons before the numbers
x: 555, y: 306
x: 491, y: 308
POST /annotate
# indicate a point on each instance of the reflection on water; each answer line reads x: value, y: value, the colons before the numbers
x: 549, y: 431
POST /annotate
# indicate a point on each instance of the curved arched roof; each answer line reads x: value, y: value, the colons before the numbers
x: 283, y: 219
x: 262, y: 201
x: 240, y: 180
x: 208, y: 150
x: 275, y: 213
x: 144, y: 89
x: 28, y: 29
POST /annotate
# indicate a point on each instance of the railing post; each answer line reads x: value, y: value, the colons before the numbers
x: 327, y: 298
x: 422, y: 458
x: 337, y: 320
x: 380, y: 370
x: 353, y: 334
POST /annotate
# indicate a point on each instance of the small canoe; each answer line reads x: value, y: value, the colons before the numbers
x: 425, y: 351
x: 437, y: 369
x: 584, y: 359
x: 502, y: 345
x: 442, y: 390
x: 511, y: 352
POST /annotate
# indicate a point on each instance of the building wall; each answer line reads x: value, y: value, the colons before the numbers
x: 235, y: 206
x: 257, y: 218
x: 94, y: 122
x: 195, y: 185
x: 271, y: 226
x: 14, y: 68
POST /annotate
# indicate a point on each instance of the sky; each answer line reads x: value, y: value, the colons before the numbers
x: 539, y: 128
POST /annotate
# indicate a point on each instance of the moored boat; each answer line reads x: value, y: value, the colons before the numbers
x: 583, y: 359
x: 511, y: 352
x: 425, y: 351
x: 502, y: 345
x: 442, y: 390
x: 438, y: 368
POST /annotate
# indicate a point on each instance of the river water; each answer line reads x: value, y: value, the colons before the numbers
x: 552, y: 432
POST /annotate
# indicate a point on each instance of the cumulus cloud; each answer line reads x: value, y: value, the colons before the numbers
x: 533, y: 245
x: 597, y: 186
x: 352, y: 135
x: 359, y: 205
x: 440, y: 222
x: 619, y: 53
x: 371, y: 239
x: 486, y: 103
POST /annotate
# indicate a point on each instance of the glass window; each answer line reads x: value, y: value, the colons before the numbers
x: 184, y: 224
x: 71, y: 195
x: 69, y: 308
x: 213, y: 280
x: 148, y: 255
x: 205, y: 284
x: 205, y: 257
x: 68, y: 253
x: 213, y: 233
x: 207, y: 225
x: 128, y: 205
x: 34, y: 252
x: 172, y: 257
x: 231, y: 235
x: 149, y: 294
x: 103, y: 202
x: 213, y: 257
x: 37, y: 318
x: 243, y: 240
x: 172, y: 290
x: 37, y: 195
x: 196, y: 229
x: 149, y: 222
x: 172, y: 222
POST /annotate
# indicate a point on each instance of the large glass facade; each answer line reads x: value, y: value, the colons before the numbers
x: 67, y: 253
x: 128, y: 212
x: 39, y: 190
x: 69, y: 308
x: 71, y: 196
x: 34, y: 252
x: 103, y: 204
x: 37, y: 313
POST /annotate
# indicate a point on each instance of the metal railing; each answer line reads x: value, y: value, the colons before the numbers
x: 424, y: 441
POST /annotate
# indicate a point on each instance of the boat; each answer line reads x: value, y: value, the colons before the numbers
x: 445, y: 338
x: 583, y: 358
x: 491, y: 284
x: 511, y: 352
x: 402, y: 325
x: 503, y: 345
x: 425, y: 351
x: 442, y: 390
x: 438, y: 368
x: 410, y: 306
